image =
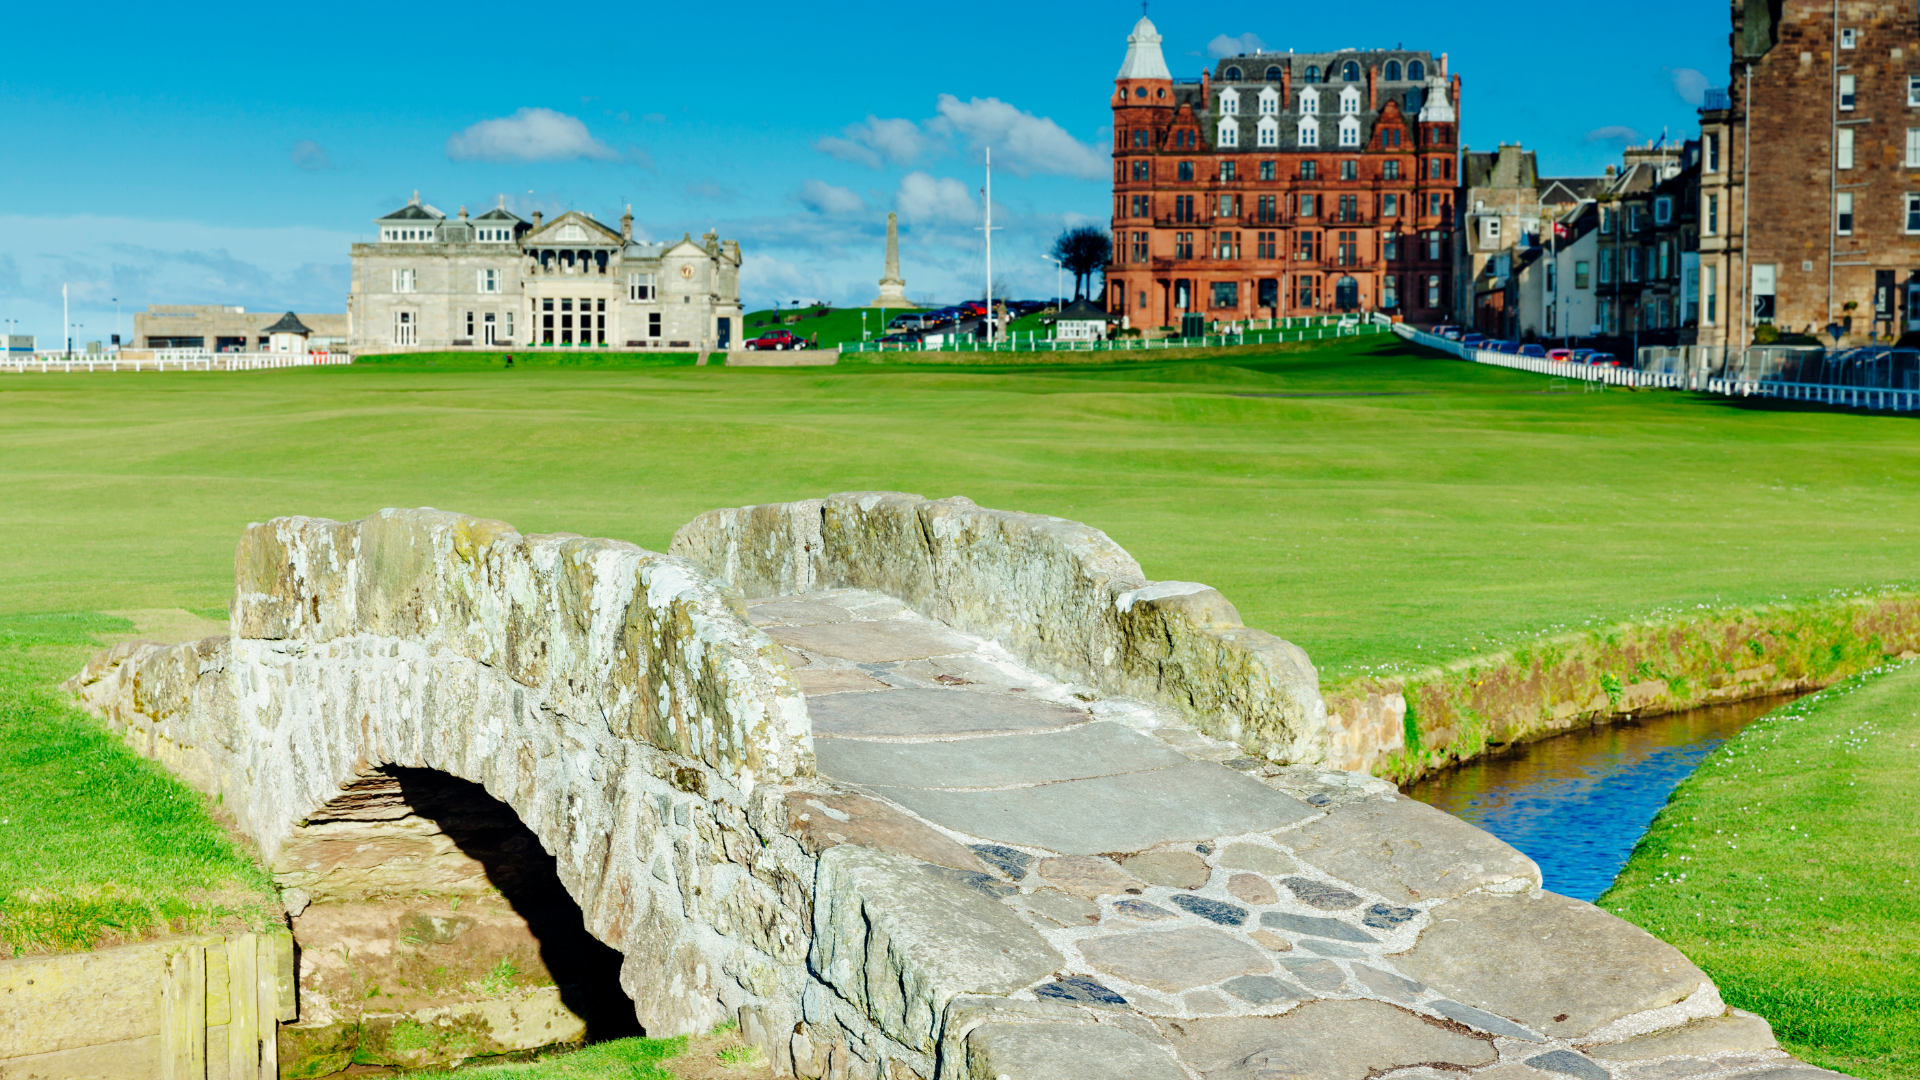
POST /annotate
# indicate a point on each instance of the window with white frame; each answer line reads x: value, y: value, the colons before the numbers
x: 489, y: 281
x: 1309, y: 102
x: 1350, y: 101
x: 1849, y: 38
x: 1712, y: 155
x: 1843, y: 213
x: 1269, y: 102
x: 1913, y: 212
x: 1349, y: 131
x: 1846, y: 93
x: 1913, y: 90
x: 1663, y: 210
x: 1913, y: 148
x: 1710, y: 220
x: 639, y: 286
x: 1229, y: 102
x: 1710, y: 294
x: 403, y: 281
x: 1843, y: 149
x: 1309, y: 131
x: 1229, y: 133
x: 1268, y: 133
x: 404, y: 328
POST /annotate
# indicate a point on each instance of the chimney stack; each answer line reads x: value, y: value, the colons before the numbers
x: 536, y: 219
x: 626, y: 224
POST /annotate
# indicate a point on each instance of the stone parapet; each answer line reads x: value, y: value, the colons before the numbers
x: 1059, y: 595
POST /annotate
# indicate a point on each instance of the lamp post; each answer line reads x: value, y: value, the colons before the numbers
x: 116, y: 323
x: 1059, y: 279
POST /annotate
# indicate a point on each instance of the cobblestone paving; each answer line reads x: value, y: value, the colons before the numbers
x: 1210, y: 915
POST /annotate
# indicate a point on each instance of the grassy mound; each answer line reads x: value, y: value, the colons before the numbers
x: 98, y: 845
x: 1785, y: 867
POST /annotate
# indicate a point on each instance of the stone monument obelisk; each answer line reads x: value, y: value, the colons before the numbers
x: 893, y: 287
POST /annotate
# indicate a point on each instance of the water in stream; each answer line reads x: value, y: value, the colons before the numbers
x: 1577, y: 803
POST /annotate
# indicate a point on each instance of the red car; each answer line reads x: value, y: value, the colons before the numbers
x: 973, y: 309
x: 777, y: 341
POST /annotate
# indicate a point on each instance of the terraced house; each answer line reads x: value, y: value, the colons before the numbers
x: 429, y: 282
x: 1283, y: 184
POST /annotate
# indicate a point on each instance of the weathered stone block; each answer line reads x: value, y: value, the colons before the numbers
x: 1323, y: 1040
x: 1407, y: 851
x: 1051, y: 1051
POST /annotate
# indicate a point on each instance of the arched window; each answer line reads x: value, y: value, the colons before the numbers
x: 1393, y: 71
x: 1416, y: 71
x: 1313, y: 73
x: 1346, y: 294
x: 1273, y: 74
x: 1350, y: 71
x: 1232, y: 74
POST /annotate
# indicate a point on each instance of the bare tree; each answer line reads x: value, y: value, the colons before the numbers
x: 1084, y: 251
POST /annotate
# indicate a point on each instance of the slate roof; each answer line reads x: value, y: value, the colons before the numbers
x: 500, y: 213
x: 1084, y: 310
x: 1404, y: 98
x: 1570, y: 189
x: 288, y: 324
x: 414, y: 212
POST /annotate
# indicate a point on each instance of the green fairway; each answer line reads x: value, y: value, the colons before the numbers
x: 1785, y: 867
x: 1373, y: 504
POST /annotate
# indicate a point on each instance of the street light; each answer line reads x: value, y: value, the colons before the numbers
x: 1059, y: 276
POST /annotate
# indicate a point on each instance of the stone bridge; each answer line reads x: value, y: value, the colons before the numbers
x: 909, y: 788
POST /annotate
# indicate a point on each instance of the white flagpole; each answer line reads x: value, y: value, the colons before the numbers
x: 989, y: 231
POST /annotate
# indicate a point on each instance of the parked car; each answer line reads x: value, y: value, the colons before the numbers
x: 1473, y: 341
x: 776, y: 341
x: 1536, y: 351
x: 972, y: 309
x: 1601, y: 359
x: 898, y: 341
x: 1560, y: 355
x: 916, y: 320
x: 1451, y: 333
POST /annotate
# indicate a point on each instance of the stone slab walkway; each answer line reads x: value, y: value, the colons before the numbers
x: 1135, y: 899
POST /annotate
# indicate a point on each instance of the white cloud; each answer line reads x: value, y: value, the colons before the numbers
x: 875, y: 142
x: 528, y: 135
x: 927, y: 198
x: 1619, y: 133
x: 310, y: 156
x: 1223, y: 46
x: 1027, y: 143
x: 1691, y: 85
x: 824, y: 198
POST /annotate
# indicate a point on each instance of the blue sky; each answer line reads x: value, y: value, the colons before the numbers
x: 222, y: 153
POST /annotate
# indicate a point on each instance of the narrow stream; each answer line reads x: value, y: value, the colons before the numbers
x: 1577, y: 803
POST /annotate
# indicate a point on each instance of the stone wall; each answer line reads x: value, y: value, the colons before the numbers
x: 1058, y: 595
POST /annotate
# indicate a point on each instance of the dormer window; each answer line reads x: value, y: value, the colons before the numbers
x: 1309, y: 103
x: 1309, y: 131
x: 1269, y: 131
x: 1269, y: 102
x: 1229, y: 103
x: 1349, y: 131
x: 1350, y: 101
x: 1229, y: 134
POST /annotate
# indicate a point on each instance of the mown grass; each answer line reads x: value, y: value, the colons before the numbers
x: 617, y: 1059
x: 99, y: 845
x: 1785, y: 867
x: 522, y: 358
x: 1373, y: 504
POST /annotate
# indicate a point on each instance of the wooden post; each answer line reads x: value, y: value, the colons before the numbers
x: 183, y: 1015
x: 243, y: 1011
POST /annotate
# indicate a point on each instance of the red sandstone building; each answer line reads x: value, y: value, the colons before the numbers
x: 1283, y: 184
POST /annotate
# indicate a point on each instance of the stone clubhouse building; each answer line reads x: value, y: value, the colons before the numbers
x: 429, y: 282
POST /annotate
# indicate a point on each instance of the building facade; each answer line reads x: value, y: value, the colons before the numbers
x: 1820, y: 227
x: 223, y: 329
x: 1283, y: 184
x: 497, y: 281
x: 1649, y: 247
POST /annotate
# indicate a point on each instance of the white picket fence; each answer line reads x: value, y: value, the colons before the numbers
x: 1854, y: 397
x: 164, y: 360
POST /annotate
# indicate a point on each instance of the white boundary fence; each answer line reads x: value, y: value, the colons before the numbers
x: 1854, y: 397
x: 1300, y: 328
x: 165, y: 360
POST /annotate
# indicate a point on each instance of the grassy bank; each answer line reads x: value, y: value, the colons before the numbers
x: 98, y: 845
x: 1785, y: 868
